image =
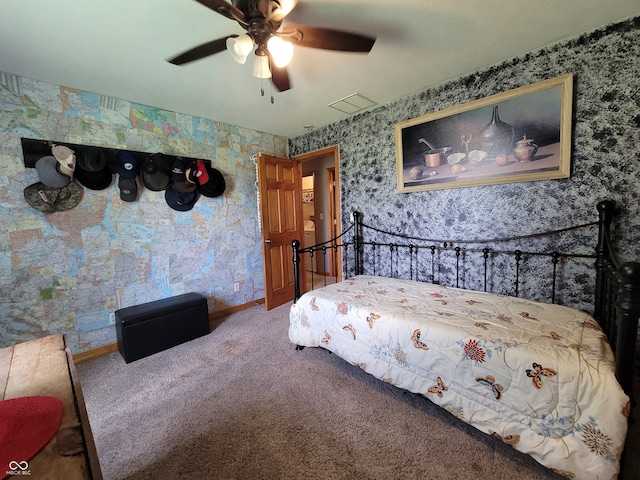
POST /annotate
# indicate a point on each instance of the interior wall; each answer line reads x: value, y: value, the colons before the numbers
x: 605, y: 157
x: 67, y: 272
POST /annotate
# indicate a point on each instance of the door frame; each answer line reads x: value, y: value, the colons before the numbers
x: 337, y: 226
x: 333, y: 232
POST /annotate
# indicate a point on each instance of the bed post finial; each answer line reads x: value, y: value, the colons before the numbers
x: 357, y: 242
x: 606, y: 210
x: 295, y: 245
x: 606, y: 207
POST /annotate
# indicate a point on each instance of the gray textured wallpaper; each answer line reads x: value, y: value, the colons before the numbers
x: 605, y: 156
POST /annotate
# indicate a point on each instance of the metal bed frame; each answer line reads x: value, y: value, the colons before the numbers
x: 617, y: 285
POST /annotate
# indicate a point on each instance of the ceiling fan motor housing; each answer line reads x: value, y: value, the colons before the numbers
x: 256, y: 8
x: 256, y: 13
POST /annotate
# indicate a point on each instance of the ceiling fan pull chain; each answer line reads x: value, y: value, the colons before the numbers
x: 271, y: 77
x: 271, y: 90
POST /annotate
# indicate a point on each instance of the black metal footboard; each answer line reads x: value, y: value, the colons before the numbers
x: 617, y: 299
x: 472, y: 264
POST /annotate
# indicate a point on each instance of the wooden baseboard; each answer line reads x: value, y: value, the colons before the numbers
x: 113, y: 347
x: 238, y: 308
x: 95, y: 353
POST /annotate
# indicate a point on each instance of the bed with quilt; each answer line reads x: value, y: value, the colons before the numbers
x: 540, y: 376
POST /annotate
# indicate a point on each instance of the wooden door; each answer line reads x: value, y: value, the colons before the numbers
x: 279, y: 187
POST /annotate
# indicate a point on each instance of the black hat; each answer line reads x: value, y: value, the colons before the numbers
x: 92, y: 170
x: 128, y: 171
x: 180, y: 177
x: 215, y: 184
x: 178, y: 169
x: 49, y: 199
x: 127, y: 164
x: 128, y: 189
x: 163, y: 162
x: 111, y: 156
x: 153, y: 177
x: 181, y: 201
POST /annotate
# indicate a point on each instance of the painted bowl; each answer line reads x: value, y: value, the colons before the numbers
x: 476, y: 156
x: 455, y: 158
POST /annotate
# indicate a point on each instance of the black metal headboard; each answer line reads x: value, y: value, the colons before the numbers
x: 614, y: 301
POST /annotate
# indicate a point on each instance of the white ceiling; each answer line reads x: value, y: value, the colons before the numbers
x: 119, y: 48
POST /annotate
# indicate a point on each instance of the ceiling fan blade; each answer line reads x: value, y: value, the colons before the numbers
x: 225, y: 8
x: 280, y: 78
x: 328, y: 38
x: 201, y: 51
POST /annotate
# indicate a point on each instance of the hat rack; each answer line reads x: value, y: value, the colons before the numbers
x: 34, y: 149
x: 182, y: 179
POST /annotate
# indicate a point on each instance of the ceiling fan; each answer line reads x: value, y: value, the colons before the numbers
x: 270, y: 40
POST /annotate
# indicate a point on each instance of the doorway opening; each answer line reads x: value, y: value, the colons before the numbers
x: 321, y: 214
x: 309, y: 213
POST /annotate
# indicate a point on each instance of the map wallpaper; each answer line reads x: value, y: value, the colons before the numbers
x: 67, y: 272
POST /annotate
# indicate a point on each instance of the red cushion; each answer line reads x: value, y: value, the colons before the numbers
x: 26, y: 425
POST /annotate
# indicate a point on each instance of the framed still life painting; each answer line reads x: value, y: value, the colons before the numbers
x: 520, y: 135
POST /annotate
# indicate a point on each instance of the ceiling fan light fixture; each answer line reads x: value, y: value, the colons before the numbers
x: 281, y: 51
x: 240, y: 47
x: 261, y: 66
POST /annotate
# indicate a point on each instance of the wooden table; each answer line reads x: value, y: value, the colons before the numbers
x: 45, y: 367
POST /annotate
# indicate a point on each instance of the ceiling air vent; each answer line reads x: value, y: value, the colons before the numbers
x: 352, y: 104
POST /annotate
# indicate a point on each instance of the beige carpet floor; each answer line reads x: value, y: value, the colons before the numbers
x: 242, y: 403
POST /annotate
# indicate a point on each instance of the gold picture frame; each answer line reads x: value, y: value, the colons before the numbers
x: 516, y: 136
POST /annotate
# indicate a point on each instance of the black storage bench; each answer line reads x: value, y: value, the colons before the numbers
x: 149, y: 328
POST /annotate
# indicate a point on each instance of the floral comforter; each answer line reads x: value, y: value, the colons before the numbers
x: 538, y: 376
